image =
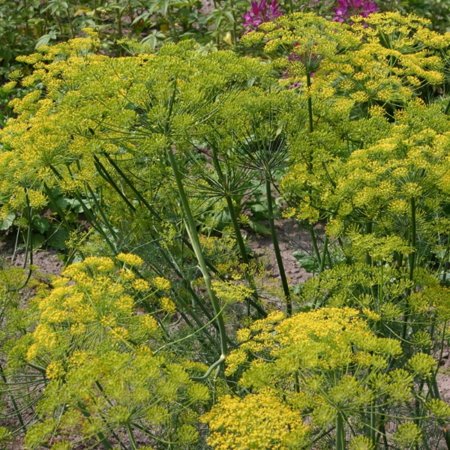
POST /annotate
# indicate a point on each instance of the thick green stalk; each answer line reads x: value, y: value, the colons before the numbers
x: 156, y: 215
x: 340, y: 433
x: 277, y: 248
x: 412, y: 256
x: 210, y: 369
x: 237, y: 230
x: 433, y: 389
x: 131, y: 436
x: 369, y: 227
x: 324, y: 253
x: 147, y: 205
x: 310, y: 112
x: 234, y: 37
x: 373, y: 423
x: 320, y: 261
x: 412, y: 263
x: 192, y: 231
x: 314, y: 243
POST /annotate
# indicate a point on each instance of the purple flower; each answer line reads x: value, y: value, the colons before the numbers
x: 295, y: 85
x: 261, y: 12
x: 348, y: 8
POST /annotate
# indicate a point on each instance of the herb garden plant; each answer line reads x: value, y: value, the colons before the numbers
x: 165, y: 330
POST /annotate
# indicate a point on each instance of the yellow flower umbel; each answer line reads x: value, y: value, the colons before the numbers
x: 315, y: 367
x: 259, y: 421
x: 102, y: 358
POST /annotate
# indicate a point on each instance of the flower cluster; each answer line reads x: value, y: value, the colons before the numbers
x: 348, y: 8
x: 316, y: 366
x: 99, y: 356
x: 261, y: 12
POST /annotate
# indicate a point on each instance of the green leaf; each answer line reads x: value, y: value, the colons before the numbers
x: 8, y: 221
x: 57, y: 239
x: 306, y: 261
x: 63, y: 202
x: 259, y: 211
x: 38, y: 241
x: 258, y: 227
x: 41, y: 224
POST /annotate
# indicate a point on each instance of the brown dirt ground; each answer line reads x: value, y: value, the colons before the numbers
x: 47, y: 260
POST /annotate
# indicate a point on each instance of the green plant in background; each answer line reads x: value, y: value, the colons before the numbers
x: 30, y: 24
x: 436, y: 11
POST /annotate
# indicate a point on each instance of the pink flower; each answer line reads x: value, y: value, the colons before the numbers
x: 261, y: 12
x: 348, y: 8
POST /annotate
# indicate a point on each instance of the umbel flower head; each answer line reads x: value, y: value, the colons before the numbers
x: 349, y: 8
x: 261, y: 12
x: 310, y: 60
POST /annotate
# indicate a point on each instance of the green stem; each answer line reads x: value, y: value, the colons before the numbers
x: 320, y: 261
x: 383, y: 432
x: 234, y: 23
x: 237, y: 230
x: 340, y: 433
x: 119, y: 21
x: 412, y: 256
x: 412, y: 263
x: 369, y: 229
x: 107, y: 177
x: 192, y: 232
x: 314, y: 243
x: 310, y: 112
x: 173, y: 29
x: 159, y: 218
x: 210, y: 369
x: 147, y: 205
x: 131, y: 436
x: 277, y: 248
x: 324, y: 253
x: 373, y: 424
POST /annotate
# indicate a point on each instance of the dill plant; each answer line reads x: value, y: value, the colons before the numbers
x: 123, y: 170
x: 384, y: 251
x: 355, y: 136
x: 103, y: 361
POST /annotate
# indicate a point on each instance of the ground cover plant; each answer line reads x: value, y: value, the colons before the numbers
x: 164, y: 329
